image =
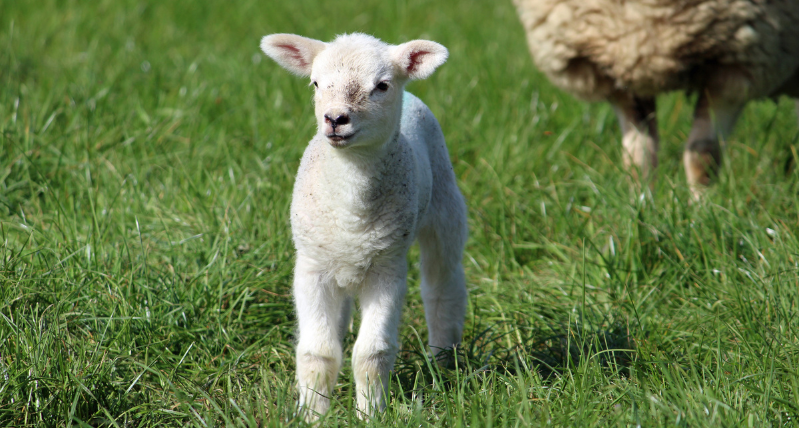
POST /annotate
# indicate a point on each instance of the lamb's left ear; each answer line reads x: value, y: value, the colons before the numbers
x: 418, y: 59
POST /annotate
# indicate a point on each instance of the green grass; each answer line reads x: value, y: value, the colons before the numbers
x: 146, y: 163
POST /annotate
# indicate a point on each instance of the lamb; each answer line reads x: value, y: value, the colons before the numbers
x: 374, y: 178
x: 627, y: 52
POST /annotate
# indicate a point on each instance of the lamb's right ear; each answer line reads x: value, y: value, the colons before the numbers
x: 294, y: 53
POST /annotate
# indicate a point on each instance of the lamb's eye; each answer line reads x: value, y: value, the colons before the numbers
x: 382, y: 86
x: 315, y: 85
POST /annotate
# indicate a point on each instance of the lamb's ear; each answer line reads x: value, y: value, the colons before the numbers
x: 292, y: 52
x: 418, y: 59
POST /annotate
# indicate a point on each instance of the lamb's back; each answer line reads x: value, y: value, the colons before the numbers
x: 439, y: 194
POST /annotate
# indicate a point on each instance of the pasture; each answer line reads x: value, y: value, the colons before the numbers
x: 147, y: 157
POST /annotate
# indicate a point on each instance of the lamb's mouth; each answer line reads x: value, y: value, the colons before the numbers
x: 338, y: 140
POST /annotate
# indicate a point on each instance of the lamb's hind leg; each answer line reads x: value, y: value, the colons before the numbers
x: 375, y: 350
x: 443, y: 280
x: 714, y: 119
x: 639, y: 130
x: 320, y: 305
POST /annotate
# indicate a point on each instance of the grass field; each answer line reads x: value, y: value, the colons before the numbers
x: 147, y: 157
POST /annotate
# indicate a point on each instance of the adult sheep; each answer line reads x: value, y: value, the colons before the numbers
x: 628, y: 51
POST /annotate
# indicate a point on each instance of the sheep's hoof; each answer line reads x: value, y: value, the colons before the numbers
x: 701, y: 159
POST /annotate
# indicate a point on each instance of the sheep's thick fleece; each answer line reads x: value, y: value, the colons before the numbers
x: 593, y: 47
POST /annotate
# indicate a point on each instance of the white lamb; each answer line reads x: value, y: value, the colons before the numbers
x: 374, y: 178
x: 628, y: 51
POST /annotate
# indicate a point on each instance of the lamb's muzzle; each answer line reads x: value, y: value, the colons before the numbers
x: 336, y: 129
x: 341, y: 119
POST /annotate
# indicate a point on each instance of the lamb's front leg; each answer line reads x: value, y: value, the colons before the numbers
x: 320, y: 303
x: 377, y: 344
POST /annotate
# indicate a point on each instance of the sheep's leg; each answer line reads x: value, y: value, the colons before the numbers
x: 376, y: 347
x: 713, y: 120
x: 444, y: 283
x: 639, y: 130
x: 320, y: 305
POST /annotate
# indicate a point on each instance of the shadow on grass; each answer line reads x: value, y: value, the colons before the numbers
x: 511, y: 351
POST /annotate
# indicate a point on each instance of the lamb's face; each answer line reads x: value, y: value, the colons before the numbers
x: 358, y: 96
x: 358, y: 81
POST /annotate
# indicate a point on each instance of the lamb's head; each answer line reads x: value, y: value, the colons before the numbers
x: 358, y: 81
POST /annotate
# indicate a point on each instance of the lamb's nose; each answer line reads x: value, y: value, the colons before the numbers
x: 341, y: 119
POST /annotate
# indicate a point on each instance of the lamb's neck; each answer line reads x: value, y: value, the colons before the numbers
x: 359, y: 177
